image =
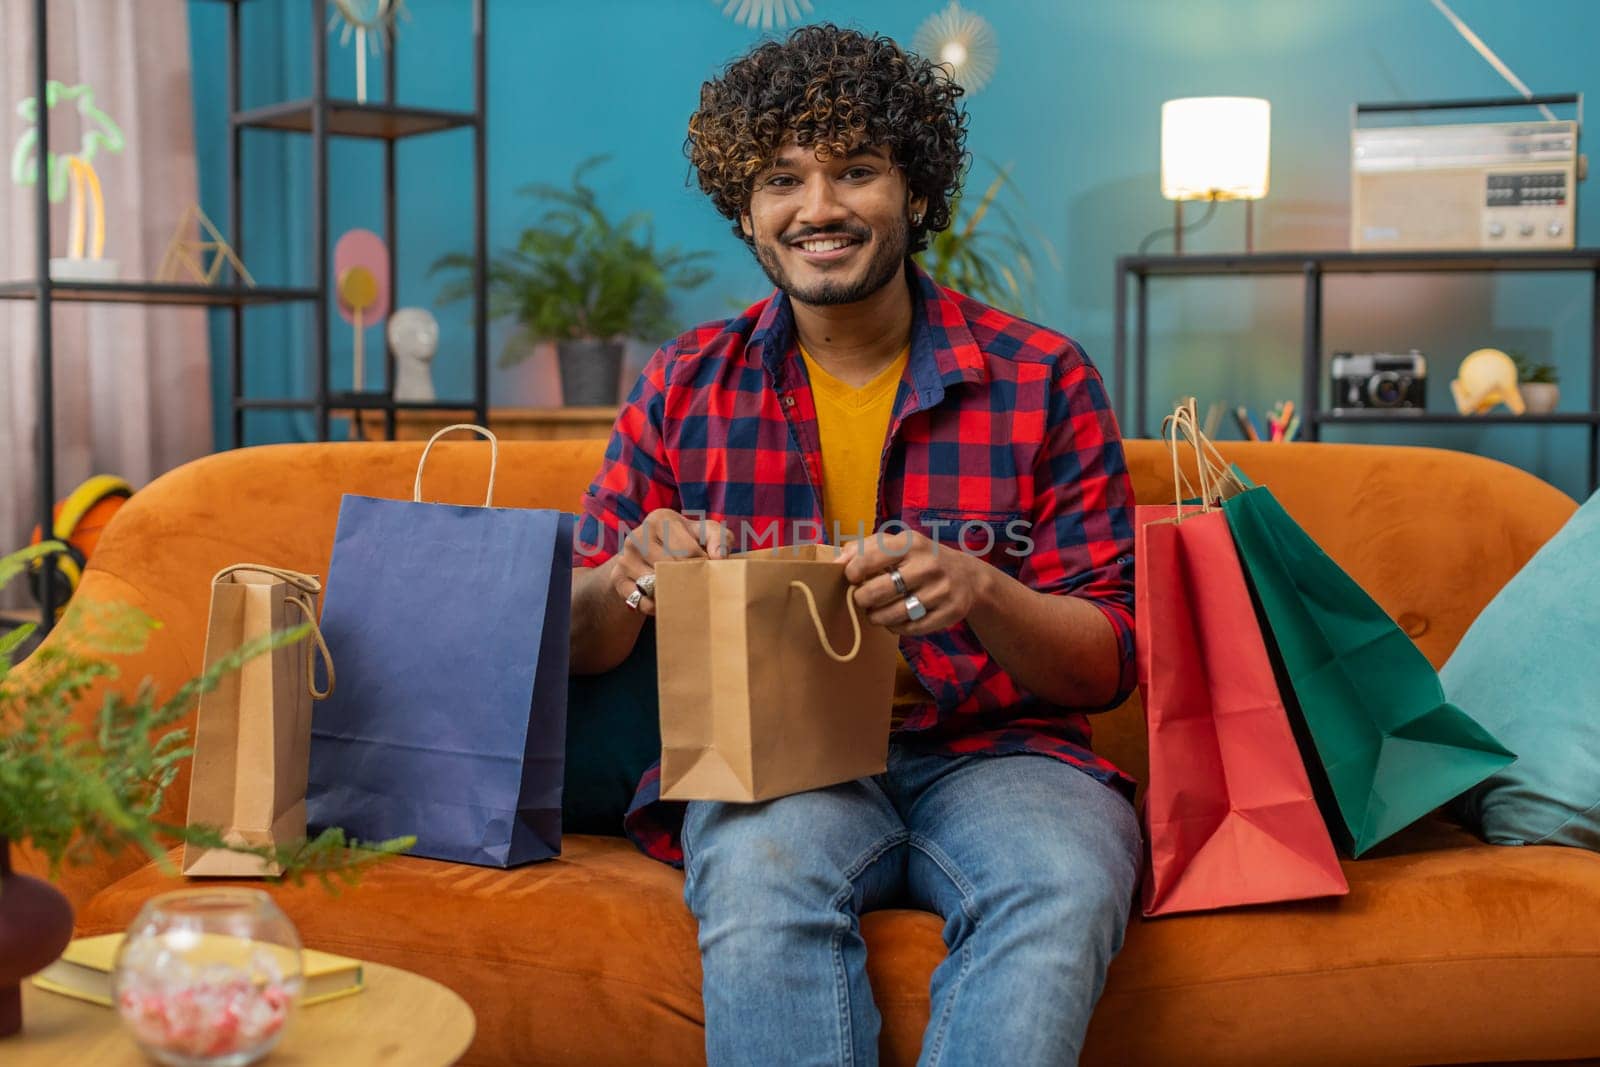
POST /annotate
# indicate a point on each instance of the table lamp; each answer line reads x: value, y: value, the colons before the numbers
x: 1215, y: 148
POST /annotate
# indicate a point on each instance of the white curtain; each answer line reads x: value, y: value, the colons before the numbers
x: 132, y: 381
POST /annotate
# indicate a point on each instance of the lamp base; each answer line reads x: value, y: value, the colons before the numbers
x: 1249, y: 226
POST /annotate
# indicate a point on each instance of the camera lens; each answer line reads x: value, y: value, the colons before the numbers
x: 1385, y: 390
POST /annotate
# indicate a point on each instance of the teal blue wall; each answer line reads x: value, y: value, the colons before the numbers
x: 1074, y: 107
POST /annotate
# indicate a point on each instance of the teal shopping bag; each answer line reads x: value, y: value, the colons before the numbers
x: 1365, y: 698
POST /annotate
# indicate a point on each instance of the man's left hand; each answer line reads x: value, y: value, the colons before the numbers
x: 943, y: 580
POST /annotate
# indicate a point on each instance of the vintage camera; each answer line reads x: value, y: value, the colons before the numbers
x: 1389, y: 381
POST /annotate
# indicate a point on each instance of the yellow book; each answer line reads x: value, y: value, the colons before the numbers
x: 84, y: 971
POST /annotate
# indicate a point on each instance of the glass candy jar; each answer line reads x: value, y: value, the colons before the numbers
x: 208, y: 977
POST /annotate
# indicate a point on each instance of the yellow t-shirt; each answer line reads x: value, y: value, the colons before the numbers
x: 852, y: 424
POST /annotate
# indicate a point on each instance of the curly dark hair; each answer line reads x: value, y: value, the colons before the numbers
x: 829, y: 87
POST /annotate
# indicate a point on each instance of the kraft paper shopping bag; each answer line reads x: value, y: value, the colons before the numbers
x: 253, y: 731
x: 770, y: 681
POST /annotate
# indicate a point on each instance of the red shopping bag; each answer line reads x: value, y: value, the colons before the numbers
x: 1229, y: 814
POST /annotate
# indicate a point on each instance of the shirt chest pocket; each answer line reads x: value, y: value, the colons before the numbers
x: 997, y: 537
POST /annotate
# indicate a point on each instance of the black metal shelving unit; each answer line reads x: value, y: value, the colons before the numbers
x: 220, y: 296
x: 321, y: 117
x: 1313, y: 267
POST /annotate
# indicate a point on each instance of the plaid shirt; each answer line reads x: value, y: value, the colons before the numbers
x: 1001, y: 432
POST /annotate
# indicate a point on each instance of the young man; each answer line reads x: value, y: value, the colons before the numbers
x: 862, y: 396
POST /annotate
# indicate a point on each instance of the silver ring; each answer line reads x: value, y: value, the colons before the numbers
x: 647, y: 584
x: 914, y: 608
x: 633, y: 599
x: 899, y: 582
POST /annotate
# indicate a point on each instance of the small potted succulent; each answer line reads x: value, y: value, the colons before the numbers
x: 583, y: 281
x: 1539, y: 383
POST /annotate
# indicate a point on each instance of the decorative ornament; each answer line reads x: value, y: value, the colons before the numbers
x: 414, y: 340
x: 961, y: 42
x: 361, y: 273
x: 87, y: 237
x: 373, y: 24
x: 1487, y: 377
x: 764, y: 14
x: 185, y: 258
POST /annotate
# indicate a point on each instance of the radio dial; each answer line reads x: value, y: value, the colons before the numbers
x: 1555, y: 229
x: 1526, y: 230
x: 1496, y: 230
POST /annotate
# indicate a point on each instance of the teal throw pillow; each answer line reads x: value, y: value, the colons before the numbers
x: 1528, y: 669
x: 613, y: 736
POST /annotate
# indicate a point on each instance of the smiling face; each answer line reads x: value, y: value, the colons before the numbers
x: 830, y: 232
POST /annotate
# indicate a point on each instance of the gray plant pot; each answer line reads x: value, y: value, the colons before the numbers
x: 591, y: 372
x: 1541, y: 398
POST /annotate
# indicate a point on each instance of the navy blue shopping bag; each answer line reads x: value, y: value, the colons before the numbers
x: 449, y: 627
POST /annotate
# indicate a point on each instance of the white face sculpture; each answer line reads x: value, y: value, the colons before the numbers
x: 414, y: 334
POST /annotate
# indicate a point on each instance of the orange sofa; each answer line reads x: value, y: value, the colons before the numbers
x: 1446, y: 950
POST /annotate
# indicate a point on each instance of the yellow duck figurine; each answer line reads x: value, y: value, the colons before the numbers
x: 1487, y: 377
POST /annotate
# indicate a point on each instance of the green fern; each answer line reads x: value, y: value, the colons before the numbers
x: 73, y: 792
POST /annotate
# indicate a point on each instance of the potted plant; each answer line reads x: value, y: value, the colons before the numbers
x: 583, y: 281
x: 72, y: 792
x: 992, y: 264
x: 1539, y: 383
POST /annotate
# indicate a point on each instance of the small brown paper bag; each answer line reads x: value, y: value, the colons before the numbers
x: 770, y: 683
x: 252, y: 745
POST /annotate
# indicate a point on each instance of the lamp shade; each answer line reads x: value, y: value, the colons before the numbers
x: 1215, y: 147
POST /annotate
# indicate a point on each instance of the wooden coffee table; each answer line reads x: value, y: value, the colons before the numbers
x: 400, y: 1020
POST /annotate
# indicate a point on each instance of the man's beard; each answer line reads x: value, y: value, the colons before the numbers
x: 885, y: 265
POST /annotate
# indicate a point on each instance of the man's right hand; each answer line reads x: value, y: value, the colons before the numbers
x: 664, y: 534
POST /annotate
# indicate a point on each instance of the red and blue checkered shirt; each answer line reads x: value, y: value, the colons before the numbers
x: 1001, y: 433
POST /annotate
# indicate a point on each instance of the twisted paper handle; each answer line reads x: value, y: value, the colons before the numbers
x: 304, y: 604
x: 822, y: 631
x: 309, y: 586
x: 494, y: 459
x: 1216, y: 476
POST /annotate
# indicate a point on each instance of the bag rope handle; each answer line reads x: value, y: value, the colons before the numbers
x: 308, y: 583
x: 494, y: 459
x: 1221, y: 471
x: 1216, y: 476
x: 309, y: 586
x: 1181, y: 487
x: 822, y: 631
x: 304, y: 604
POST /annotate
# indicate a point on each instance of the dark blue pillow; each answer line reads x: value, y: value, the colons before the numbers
x: 613, y: 736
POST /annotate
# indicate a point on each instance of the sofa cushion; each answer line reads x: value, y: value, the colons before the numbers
x: 1446, y: 950
x: 1527, y: 671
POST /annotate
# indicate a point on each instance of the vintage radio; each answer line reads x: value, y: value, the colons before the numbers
x: 1492, y: 185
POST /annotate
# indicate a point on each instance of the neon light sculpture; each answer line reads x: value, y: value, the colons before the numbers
x: 86, y: 239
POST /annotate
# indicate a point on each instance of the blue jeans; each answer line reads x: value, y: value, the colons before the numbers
x: 1030, y: 862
